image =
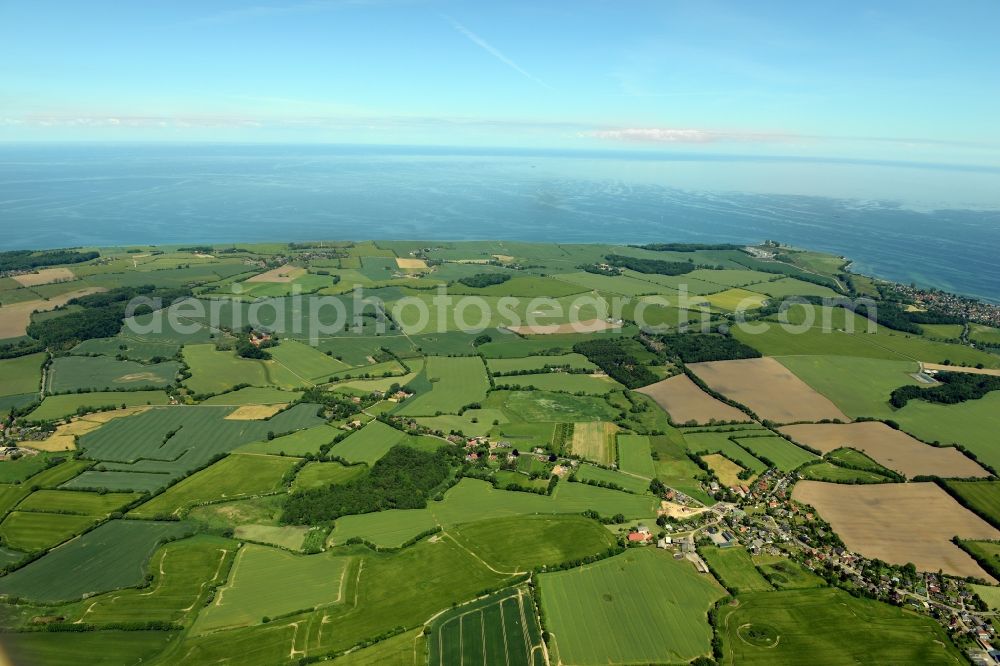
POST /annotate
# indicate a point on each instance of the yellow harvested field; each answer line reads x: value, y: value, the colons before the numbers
x: 958, y: 368
x: 45, y: 276
x: 255, y: 412
x: 768, y: 388
x: 418, y: 264
x: 280, y: 274
x: 727, y: 471
x: 900, y: 523
x: 505, y: 258
x: 595, y: 441
x: 686, y: 403
x: 14, y: 318
x: 585, y: 326
x: 64, y: 437
x: 892, y: 448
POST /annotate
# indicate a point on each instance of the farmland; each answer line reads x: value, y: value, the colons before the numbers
x: 112, y: 556
x: 498, y: 629
x: 607, y: 611
x: 594, y: 440
x: 368, y: 444
x: 891, y: 448
x: 830, y: 625
x: 454, y: 382
x: 60, y: 406
x: 523, y: 543
x: 634, y: 456
x: 686, y: 403
x: 735, y: 569
x: 100, y: 373
x: 248, y: 501
x: 875, y: 520
x: 767, y: 388
x: 983, y: 497
x: 266, y: 581
x: 782, y: 453
x: 234, y: 476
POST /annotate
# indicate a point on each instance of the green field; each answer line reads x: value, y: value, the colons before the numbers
x: 982, y: 496
x: 60, y: 406
x: 129, y: 347
x: 385, y: 529
x: 858, y: 386
x: 254, y: 395
x: 214, y: 371
x: 368, y: 444
x: 499, y: 629
x: 472, y: 500
x: 316, y: 475
x: 521, y: 543
x: 267, y: 581
x: 634, y: 456
x: 472, y: 422
x: 820, y: 331
x: 538, y: 363
x: 150, y: 450
x: 791, y: 287
x: 565, y: 382
x: 75, y: 502
x: 825, y: 471
x: 736, y: 300
x: 785, y: 455
x: 986, y: 335
x: 235, y: 476
x: 550, y: 407
x: 95, y: 648
x: 986, y: 552
x: 787, y: 574
x: 720, y: 442
x: 305, y: 362
x: 831, y: 627
x: 854, y: 458
x: 943, y: 331
x: 112, y: 556
x: 735, y: 569
x: 103, y: 373
x: 973, y: 424
x: 674, y: 468
x: 28, y: 530
x: 639, y: 607
x: 381, y: 595
x: 182, y: 573
x: 632, y: 484
x: 20, y: 469
x: 297, y: 443
x: 21, y: 375
x: 454, y: 381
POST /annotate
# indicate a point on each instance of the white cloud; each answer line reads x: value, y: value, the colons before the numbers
x: 680, y: 135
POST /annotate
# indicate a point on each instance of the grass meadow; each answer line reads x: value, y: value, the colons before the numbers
x: 833, y: 627
x: 642, y: 606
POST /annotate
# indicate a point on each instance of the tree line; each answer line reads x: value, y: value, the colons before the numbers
x: 101, y: 316
x: 955, y: 387
x: 656, y: 266
x: 22, y: 260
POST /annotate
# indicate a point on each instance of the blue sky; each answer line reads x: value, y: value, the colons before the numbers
x: 907, y: 81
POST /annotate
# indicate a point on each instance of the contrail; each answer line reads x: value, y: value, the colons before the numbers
x: 493, y: 51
